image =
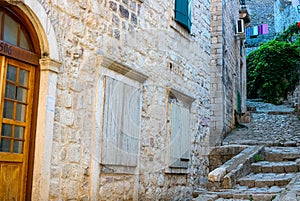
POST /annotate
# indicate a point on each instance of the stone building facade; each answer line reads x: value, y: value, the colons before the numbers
x: 121, y: 99
x: 228, y: 68
x: 121, y: 102
x: 261, y: 12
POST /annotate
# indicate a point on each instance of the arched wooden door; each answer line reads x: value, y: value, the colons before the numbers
x: 18, y: 66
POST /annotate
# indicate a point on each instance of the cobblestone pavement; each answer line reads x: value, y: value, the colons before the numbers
x: 270, y: 125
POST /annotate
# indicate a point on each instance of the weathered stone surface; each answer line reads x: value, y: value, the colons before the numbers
x: 129, y: 33
x: 224, y: 69
x: 217, y: 174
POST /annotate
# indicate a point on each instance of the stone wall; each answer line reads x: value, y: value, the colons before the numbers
x: 228, y: 72
x: 261, y: 12
x: 138, y: 36
x: 285, y: 15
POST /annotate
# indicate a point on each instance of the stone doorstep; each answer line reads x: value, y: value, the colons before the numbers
x: 275, y: 167
x: 266, y: 179
x: 236, y: 165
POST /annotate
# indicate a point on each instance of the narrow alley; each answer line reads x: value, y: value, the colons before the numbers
x: 267, y: 163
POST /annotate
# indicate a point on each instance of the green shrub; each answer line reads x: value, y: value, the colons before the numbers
x: 273, y: 69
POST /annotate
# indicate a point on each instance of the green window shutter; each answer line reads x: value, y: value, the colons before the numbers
x: 183, y: 11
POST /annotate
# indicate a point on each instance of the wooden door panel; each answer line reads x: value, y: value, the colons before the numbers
x: 15, y: 126
x: 10, y: 181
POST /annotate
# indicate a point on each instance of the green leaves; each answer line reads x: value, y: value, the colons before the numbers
x: 273, y: 69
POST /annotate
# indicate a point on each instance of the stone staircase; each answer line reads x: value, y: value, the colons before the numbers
x: 261, y: 174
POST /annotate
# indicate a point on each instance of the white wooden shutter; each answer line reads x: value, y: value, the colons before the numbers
x: 121, y: 123
x: 180, y: 136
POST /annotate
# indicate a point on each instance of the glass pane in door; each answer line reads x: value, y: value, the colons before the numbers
x: 21, y: 94
x: 11, y: 73
x: 5, y: 145
x: 10, y: 91
x: 10, y: 30
x: 7, y: 130
x: 8, y: 110
x: 19, y: 132
x: 18, y: 147
x: 23, y: 78
x: 23, y: 41
x: 20, y: 114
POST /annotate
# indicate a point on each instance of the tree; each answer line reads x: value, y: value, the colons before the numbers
x: 273, y: 69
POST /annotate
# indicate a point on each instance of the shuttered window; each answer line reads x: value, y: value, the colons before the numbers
x: 121, y: 123
x: 183, y: 11
x: 179, y: 131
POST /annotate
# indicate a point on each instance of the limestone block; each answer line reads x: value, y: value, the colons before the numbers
x: 291, y: 168
x: 67, y: 117
x: 161, y: 180
x: 229, y: 180
x: 291, y: 196
x: 71, y: 190
x: 263, y: 183
x: 267, y: 168
x: 278, y: 168
x: 206, y: 198
x: 74, y: 153
x: 54, y: 189
x: 217, y: 174
x: 250, y: 182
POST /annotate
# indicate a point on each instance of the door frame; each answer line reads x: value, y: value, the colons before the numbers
x: 48, y: 69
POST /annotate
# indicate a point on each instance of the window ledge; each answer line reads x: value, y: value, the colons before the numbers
x: 117, y: 169
x: 181, y: 30
x: 176, y: 170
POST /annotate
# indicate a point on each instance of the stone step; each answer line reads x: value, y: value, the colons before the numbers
x: 245, y: 193
x: 248, y: 196
x: 277, y: 154
x: 275, y: 167
x: 266, y: 179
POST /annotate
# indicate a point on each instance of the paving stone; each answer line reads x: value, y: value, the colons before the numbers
x: 269, y: 125
x: 277, y: 177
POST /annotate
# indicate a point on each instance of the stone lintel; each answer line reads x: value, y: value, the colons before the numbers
x: 124, y: 69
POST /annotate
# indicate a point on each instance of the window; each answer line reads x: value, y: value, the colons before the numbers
x: 121, y: 123
x: 14, y: 31
x: 121, y: 114
x: 179, y: 131
x: 183, y: 9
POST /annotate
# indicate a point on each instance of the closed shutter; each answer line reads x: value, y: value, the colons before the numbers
x: 121, y: 123
x: 180, y: 137
x: 183, y: 13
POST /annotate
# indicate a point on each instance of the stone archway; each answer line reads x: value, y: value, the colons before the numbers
x: 48, y: 66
